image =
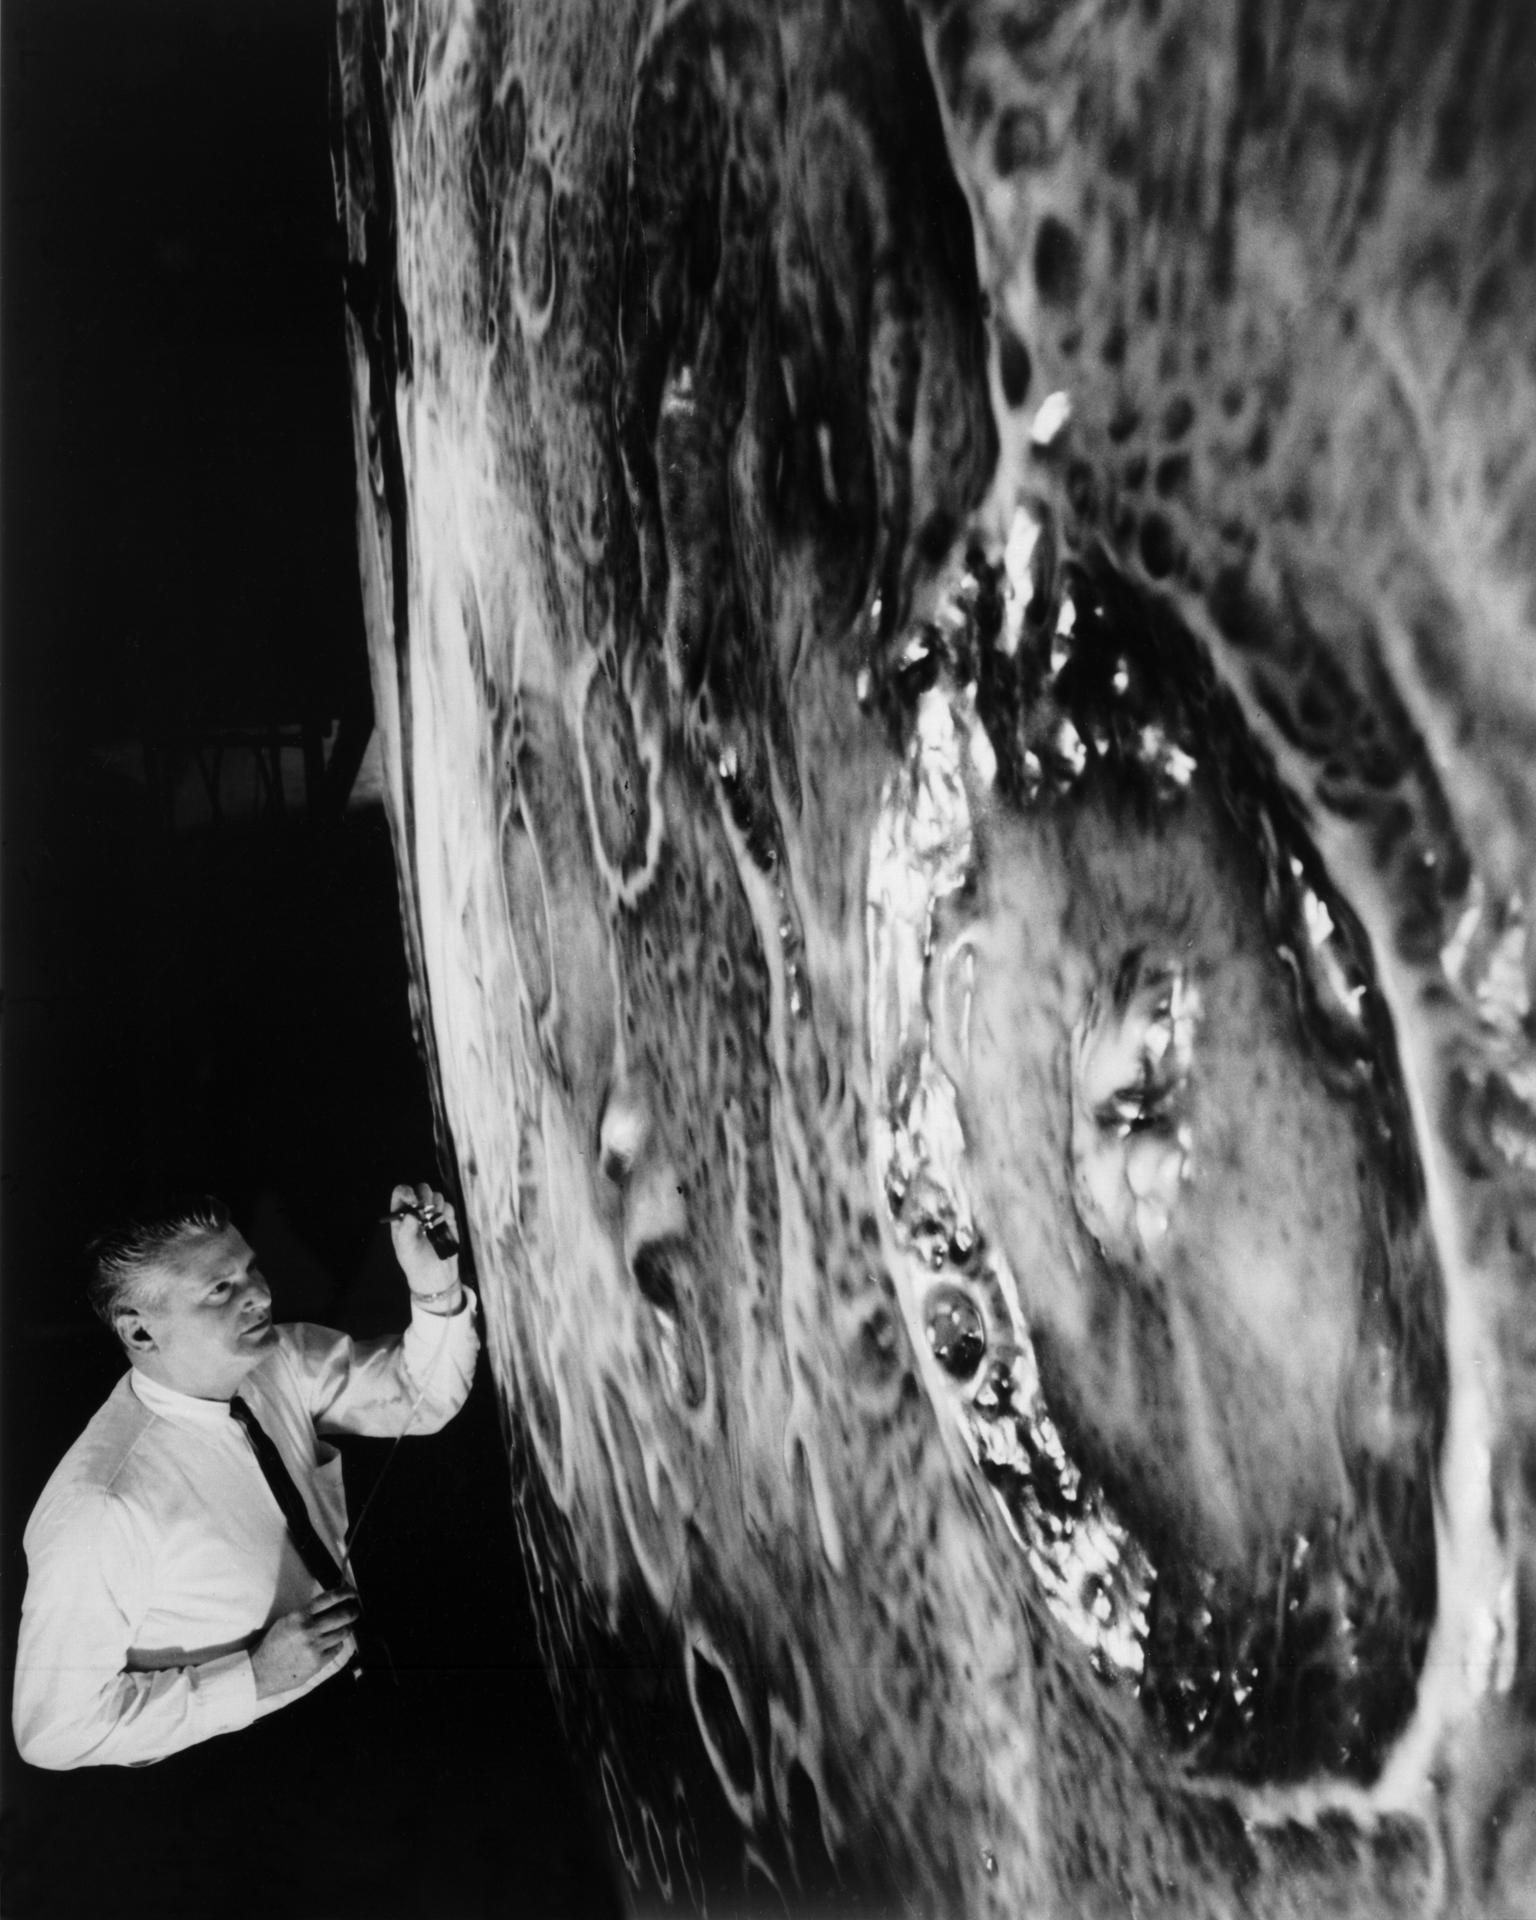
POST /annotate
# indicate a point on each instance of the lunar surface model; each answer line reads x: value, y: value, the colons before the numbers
x: 951, y: 592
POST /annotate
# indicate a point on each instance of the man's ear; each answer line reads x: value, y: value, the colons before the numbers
x: 133, y: 1331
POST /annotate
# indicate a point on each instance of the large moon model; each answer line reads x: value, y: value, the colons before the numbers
x: 951, y: 592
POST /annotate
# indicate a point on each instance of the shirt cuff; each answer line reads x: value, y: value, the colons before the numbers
x: 226, y: 1693
x: 467, y: 1304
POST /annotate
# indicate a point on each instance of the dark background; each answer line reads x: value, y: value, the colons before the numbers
x: 203, y: 977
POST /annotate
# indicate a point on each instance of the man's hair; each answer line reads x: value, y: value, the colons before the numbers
x: 124, y: 1259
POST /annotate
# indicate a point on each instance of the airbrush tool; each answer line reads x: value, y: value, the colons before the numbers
x: 434, y: 1225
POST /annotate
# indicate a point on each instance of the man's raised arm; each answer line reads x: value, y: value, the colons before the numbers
x: 414, y: 1382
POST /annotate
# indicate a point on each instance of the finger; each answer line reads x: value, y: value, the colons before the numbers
x: 336, y: 1619
x: 326, y: 1605
x: 343, y: 1590
x: 327, y: 1639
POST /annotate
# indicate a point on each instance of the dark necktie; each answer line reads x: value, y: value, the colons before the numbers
x: 313, y: 1551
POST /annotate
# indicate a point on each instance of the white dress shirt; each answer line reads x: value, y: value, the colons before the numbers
x: 157, y: 1555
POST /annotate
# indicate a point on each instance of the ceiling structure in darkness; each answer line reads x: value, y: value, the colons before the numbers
x: 179, y: 559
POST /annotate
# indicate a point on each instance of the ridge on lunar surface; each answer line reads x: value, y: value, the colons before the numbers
x: 950, y: 592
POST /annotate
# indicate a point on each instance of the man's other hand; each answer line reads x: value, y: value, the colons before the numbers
x: 425, y: 1274
x: 296, y: 1646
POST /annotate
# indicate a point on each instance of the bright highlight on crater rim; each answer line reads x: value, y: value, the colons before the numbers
x: 1278, y: 1624
x: 950, y: 592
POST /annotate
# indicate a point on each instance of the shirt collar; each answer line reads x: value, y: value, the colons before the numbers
x: 178, y: 1406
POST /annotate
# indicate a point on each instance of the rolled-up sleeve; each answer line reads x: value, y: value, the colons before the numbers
x: 75, y: 1702
x: 412, y: 1382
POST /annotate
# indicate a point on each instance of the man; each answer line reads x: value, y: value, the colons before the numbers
x: 187, y: 1560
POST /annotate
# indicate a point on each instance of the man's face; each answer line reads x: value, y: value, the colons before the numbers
x: 206, y: 1318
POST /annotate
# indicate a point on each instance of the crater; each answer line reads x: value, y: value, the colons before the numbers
x: 533, y: 246
x: 1058, y: 263
x: 1214, y: 1409
x: 617, y: 780
x: 716, y: 1706
x: 1014, y: 369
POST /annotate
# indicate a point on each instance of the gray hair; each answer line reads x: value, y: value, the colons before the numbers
x: 124, y: 1259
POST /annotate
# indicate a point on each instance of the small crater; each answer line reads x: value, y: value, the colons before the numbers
x: 1014, y: 368
x: 617, y: 1799
x: 1257, y: 450
x: 516, y: 130
x: 1178, y: 417
x: 816, y: 1871
x: 1158, y: 552
x: 955, y: 1332
x: 654, y: 1279
x: 533, y: 243
x: 679, y: 1338
x: 1021, y: 140
x: 1171, y: 475
x: 474, y: 638
x: 650, y: 1517
x: 1233, y: 607
x: 524, y: 894
x: 876, y: 1351
x: 656, y: 1850
x: 618, y: 782
x: 1058, y: 263
x: 720, y: 1722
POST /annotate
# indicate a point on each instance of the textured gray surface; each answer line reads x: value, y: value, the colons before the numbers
x: 691, y: 350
